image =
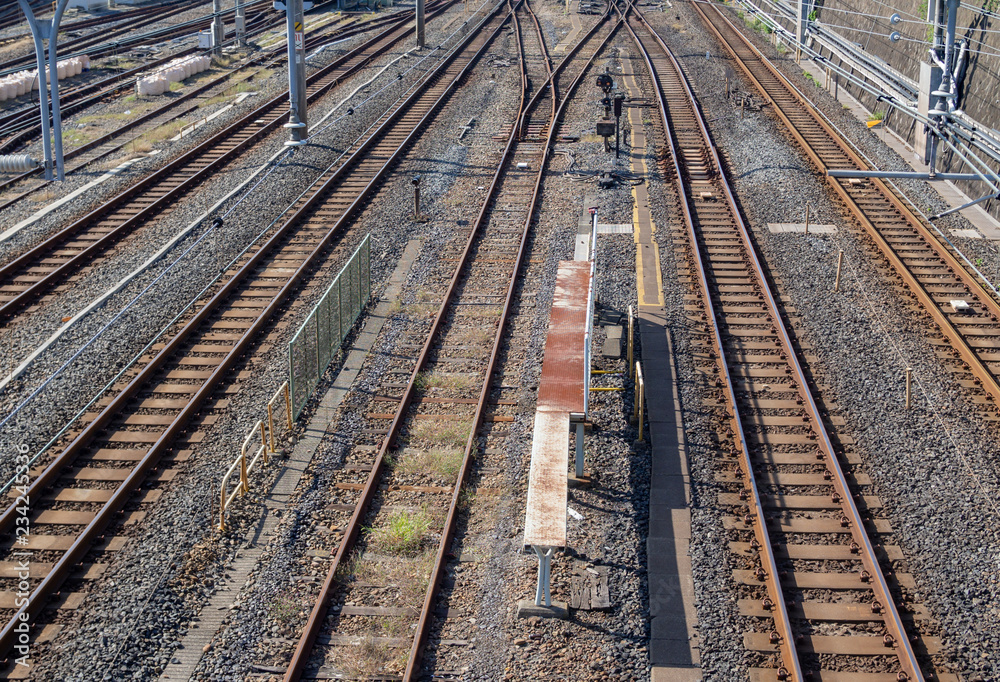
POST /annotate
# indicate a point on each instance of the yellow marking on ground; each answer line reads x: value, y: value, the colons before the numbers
x: 647, y: 253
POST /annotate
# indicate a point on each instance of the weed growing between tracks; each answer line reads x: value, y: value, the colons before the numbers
x: 403, y: 533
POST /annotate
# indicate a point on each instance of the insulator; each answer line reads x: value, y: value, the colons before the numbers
x: 17, y: 163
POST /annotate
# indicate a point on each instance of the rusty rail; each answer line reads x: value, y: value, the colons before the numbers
x: 311, y: 630
x: 140, y: 469
x: 983, y: 376
x: 786, y: 636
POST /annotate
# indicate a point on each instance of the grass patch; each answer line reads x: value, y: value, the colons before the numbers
x: 877, y: 116
x: 443, y: 434
x: 428, y: 380
x: 263, y: 74
x: 165, y: 131
x: 443, y: 462
x: 372, y: 657
x: 223, y: 61
x: 76, y: 137
x: 140, y: 146
x: 403, y: 533
x: 812, y: 79
x: 174, y: 87
x: 285, y: 607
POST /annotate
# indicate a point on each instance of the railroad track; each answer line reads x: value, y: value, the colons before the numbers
x: 20, y: 126
x: 469, y: 405
x: 39, y: 272
x: 814, y: 559
x: 103, y: 43
x: 932, y: 271
x: 149, y: 423
x: 189, y: 102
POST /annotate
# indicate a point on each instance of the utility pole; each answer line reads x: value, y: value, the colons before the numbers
x: 942, y: 100
x: 800, y: 29
x: 420, y: 23
x: 295, y: 21
x: 39, y: 32
x: 218, y: 30
x: 241, y: 24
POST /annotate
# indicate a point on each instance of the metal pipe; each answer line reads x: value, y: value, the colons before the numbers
x: 294, y: 18
x: 43, y: 92
x: 420, y: 23
x: 218, y: 34
x: 54, y: 85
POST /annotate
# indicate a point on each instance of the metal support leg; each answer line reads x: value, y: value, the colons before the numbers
x: 579, y: 450
x: 218, y: 31
x: 43, y: 90
x: 544, y: 570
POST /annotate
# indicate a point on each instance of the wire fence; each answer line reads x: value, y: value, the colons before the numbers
x: 316, y: 341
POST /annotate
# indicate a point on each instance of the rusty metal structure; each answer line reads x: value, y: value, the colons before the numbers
x: 931, y: 270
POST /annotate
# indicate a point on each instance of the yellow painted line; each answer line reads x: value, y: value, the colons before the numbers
x: 646, y: 248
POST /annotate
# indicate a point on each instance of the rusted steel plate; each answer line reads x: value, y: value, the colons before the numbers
x: 828, y: 611
x: 825, y: 644
x: 73, y: 518
x: 825, y: 581
x: 561, y: 386
x: 545, y: 514
x: 107, y: 474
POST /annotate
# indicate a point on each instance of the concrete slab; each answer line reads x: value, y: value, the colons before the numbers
x: 671, y: 674
x: 668, y: 564
x: 781, y: 228
x: 526, y: 608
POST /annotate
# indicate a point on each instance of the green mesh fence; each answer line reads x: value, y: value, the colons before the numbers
x: 319, y: 337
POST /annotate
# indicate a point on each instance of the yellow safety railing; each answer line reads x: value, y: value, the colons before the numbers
x: 245, y: 467
x: 631, y: 340
x: 282, y: 391
x: 640, y: 399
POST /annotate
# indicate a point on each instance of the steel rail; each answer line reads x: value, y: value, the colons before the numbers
x: 986, y: 378
x: 893, y: 621
x: 106, y: 515
x: 426, y: 613
x: 311, y: 629
x: 22, y: 125
x: 206, y: 149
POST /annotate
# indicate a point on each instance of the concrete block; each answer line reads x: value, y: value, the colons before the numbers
x: 526, y: 608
